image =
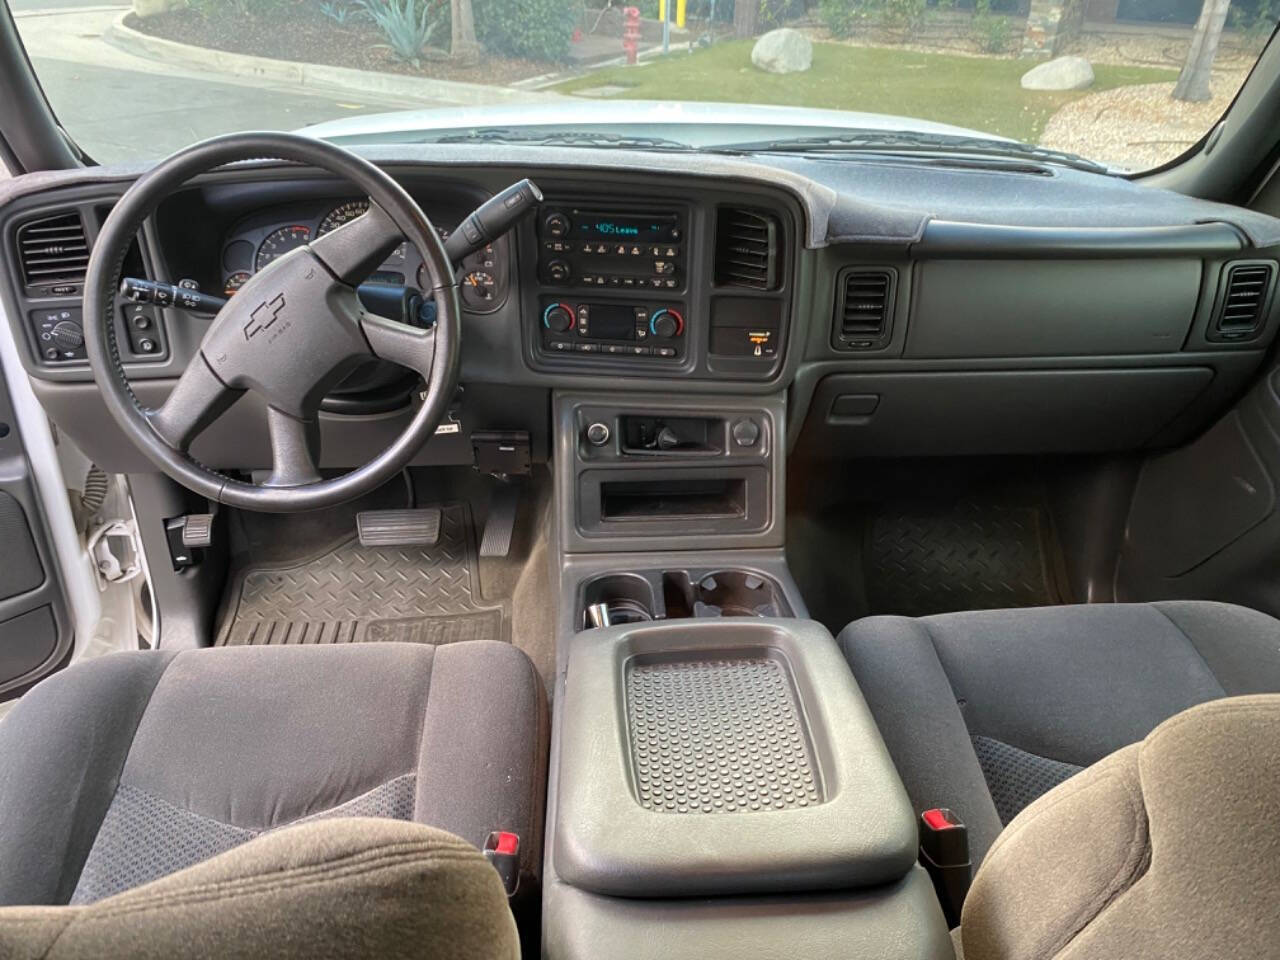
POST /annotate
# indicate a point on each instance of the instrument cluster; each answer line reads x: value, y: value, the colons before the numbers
x: 258, y: 240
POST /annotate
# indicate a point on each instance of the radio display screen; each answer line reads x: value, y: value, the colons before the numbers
x: 604, y: 226
x: 612, y: 322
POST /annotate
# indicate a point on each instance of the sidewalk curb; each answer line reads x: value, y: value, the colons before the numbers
x: 313, y: 76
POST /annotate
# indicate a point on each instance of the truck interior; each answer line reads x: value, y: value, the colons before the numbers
x: 458, y: 549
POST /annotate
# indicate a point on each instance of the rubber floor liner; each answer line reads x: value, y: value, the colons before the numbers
x: 926, y: 559
x: 350, y: 594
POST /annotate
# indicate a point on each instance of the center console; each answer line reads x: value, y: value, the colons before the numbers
x: 719, y: 789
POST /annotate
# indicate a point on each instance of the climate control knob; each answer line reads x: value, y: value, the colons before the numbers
x: 67, y: 335
x: 558, y: 318
x: 666, y: 324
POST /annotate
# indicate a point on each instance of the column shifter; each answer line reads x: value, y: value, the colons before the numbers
x: 492, y: 219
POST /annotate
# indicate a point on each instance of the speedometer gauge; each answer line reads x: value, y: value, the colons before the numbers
x: 343, y: 213
x: 280, y: 242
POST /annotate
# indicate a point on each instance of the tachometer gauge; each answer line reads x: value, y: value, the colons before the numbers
x: 343, y: 213
x: 479, y: 288
x: 235, y: 281
x: 280, y: 242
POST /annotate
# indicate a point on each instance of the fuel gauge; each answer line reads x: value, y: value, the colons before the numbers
x: 235, y: 281
x: 479, y: 288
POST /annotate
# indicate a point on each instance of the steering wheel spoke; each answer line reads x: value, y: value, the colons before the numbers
x: 196, y: 401
x: 354, y: 250
x: 295, y: 449
x: 400, y: 343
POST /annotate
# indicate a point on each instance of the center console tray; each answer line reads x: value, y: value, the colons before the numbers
x: 725, y: 756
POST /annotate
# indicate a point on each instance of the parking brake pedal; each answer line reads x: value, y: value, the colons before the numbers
x: 399, y: 528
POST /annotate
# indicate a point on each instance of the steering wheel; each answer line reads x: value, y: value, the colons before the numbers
x: 292, y: 332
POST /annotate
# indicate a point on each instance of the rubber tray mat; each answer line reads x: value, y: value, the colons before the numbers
x: 353, y: 594
x: 970, y: 555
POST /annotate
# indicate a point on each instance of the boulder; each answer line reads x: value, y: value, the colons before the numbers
x: 1060, y: 73
x: 152, y: 8
x: 783, y: 51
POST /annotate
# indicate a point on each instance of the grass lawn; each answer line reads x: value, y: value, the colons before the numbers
x: 966, y: 91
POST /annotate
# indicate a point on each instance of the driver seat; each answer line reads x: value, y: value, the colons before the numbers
x: 121, y: 771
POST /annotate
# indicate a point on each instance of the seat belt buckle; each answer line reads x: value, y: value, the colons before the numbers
x: 944, y: 852
x: 502, y: 849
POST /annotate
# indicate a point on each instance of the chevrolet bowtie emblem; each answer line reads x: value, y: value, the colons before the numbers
x: 263, y: 316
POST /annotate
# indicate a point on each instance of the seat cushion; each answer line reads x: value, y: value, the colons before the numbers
x: 1164, y: 849
x: 986, y: 710
x: 339, y: 888
x: 125, y: 769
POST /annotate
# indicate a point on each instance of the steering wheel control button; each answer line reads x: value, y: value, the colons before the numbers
x: 59, y: 333
x: 746, y: 433
x: 598, y: 434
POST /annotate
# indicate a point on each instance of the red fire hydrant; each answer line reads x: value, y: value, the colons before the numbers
x: 631, y: 32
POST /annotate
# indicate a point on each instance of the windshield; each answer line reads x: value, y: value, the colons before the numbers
x: 1126, y: 84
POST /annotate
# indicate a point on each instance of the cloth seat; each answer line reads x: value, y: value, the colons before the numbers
x: 984, y: 711
x: 123, y: 770
x: 1166, y: 848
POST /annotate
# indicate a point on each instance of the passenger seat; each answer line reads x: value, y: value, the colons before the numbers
x: 985, y: 711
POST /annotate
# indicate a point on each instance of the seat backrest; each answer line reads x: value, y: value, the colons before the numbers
x: 1168, y: 848
x: 343, y: 888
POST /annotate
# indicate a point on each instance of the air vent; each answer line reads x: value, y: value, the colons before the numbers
x: 864, y: 308
x: 748, y: 249
x: 53, y: 251
x: 1245, y: 294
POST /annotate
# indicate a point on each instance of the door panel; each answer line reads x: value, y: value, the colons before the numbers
x: 35, y: 628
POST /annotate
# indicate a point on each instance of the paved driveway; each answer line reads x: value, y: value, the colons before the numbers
x: 119, y: 107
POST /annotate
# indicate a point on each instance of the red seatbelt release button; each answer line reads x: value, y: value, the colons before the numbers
x: 502, y: 849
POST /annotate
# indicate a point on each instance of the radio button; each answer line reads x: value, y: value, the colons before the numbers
x: 558, y: 270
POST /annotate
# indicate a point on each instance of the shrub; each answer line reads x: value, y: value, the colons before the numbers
x: 990, y: 31
x: 844, y: 18
x: 339, y: 11
x: 408, y: 25
x: 536, y: 29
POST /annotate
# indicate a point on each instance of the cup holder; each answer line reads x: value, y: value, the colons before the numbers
x: 617, y: 598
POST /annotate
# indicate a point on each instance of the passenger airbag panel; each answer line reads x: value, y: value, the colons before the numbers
x: 1031, y: 308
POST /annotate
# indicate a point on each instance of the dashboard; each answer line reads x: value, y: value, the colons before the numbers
x: 894, y: 308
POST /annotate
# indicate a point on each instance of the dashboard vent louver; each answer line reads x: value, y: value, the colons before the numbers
x: 53, y: 250
x: 1244, y: 300
x: 747, y: 249
x: 864, y: 306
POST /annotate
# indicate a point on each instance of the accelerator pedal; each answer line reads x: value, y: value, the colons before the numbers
x: 500, y: 525
x: 398, y: 528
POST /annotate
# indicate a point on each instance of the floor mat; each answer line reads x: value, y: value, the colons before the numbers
x: 966, y: 555
x: 347, y: 593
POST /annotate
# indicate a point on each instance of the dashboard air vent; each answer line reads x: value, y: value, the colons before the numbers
x: 53, y: 251
x: 748, y: 249
x: 1245, y: 294
x: 864, y: 309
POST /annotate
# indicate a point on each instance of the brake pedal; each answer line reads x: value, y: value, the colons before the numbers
x: 500, y: 525
x: 399, y: 528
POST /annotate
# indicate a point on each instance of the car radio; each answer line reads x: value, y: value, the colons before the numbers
x: 651, y: 329
x: 637, y: 250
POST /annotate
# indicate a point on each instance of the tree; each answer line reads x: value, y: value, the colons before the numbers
x: 1193, y: 81
x: 746, y: 18
x: 463, y: 46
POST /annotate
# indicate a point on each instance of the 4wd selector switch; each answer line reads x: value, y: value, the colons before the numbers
x: 558, y: 318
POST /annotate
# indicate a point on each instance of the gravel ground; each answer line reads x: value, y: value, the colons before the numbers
x: 1139, y: 127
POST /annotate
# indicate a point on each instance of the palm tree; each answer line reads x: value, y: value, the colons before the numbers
x: 463, y: 46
